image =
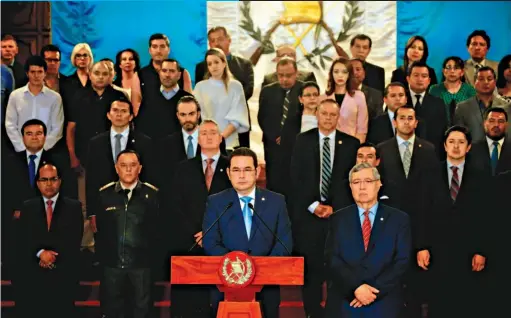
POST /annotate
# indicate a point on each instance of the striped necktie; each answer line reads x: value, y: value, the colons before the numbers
x: 326, y: 169
x: 285, y: 108
x: 366, y: 229
x: 455, y: 183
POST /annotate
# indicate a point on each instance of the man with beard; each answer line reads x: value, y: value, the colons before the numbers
x: 374, y: 99
x: 493, y: 154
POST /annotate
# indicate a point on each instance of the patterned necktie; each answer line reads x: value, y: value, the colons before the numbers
x: 476, y: 69
x: 117, y: 147
x: 455, y: 183
x: 49, y: 212
x: 494, y: 157
x: 189, y: 150
x: 366, y: 229
x: 247, y: 215
x: 407, y: 158
x: 209, y: 172
x: 31, y: 170
x: 285, y: 108
x: 418, y: 102
x: 326, y: 169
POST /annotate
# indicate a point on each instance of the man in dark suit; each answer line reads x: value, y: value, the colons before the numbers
x: 458, y: 232
x: 195, y: 180
x: 493, y: 154
x: 381, y: 127
x: 371, y: 252
x: 239, y: 230
x: 279, y: 119
x: 241, y: 69
x: 9, y: 52
x: 51, y: 227
x: 360, y: 47
x: 411, y: 164
x: 104, y: 148
x: 431, y: 110
x: 290, y: 52
x: 322, y: 157
x: 374, y: 98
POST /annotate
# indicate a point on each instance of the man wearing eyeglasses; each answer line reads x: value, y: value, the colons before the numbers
x: 240, y: 230
x: 371, y: 252
x: 50, y: 231
x: 53, y: 78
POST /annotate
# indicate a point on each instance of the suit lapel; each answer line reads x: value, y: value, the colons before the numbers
x: 237, y: 216
x: 389, y: 125
x: 357, y: 226
x: 338, y: 157
x: 108, y: 148
x: 380, y: 219
x: 220, y: 170
x: 396, y: 161
x: 316, y: 158
x: 260, y: 207
x: 56, y: 212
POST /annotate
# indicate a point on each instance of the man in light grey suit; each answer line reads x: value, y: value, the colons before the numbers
x: 478, y: 44
x: 470, y: 113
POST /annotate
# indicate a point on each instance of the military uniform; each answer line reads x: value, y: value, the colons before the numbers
x: 127, y: 223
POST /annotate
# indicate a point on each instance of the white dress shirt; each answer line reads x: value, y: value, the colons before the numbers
x: 401, y: 146
x: 414, y: 99
x: 36, y: 160
x: 331, y: 141
x: 195, y: 139
x: 131, y: 187
x: 54, y: 201
x: 391, y: 118
x: 213, y: 164
x: 251, y: 195
x: 45, y: 106
x: 490, y: 145
x: 124, y: 139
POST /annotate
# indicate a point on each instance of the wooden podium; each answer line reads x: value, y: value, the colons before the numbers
x: 239, y: 300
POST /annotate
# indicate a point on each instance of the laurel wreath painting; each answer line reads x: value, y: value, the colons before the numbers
x: 351, y: 14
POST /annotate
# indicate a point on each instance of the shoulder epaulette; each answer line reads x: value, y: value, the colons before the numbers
x: 106, y: 186
x: 150, y: 186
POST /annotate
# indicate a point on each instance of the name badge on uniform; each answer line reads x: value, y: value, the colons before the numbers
x: 111, y: 208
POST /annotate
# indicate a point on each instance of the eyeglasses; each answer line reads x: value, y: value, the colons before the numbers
x: 238, y: 170
x: 82, y: 56
x: 364, y: 182
x: 46, y: 180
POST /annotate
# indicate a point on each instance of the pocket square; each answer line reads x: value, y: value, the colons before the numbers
x: 110, y: 208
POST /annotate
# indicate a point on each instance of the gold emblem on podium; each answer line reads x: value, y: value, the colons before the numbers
x: 237, y: 269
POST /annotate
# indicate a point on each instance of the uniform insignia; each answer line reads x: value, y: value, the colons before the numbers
x: 150, y: 186
x: 110, y: 208
x: 106, y: 186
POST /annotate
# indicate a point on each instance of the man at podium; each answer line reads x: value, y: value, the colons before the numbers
x: 247, y: 219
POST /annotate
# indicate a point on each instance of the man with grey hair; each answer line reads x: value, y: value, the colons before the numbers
x: 194, y: 180
x: 372, y: 268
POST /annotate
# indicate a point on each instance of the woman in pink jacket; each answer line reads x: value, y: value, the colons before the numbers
x: 342, y: 88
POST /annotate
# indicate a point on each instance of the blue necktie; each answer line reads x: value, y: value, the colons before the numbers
x: 31, y: 170
x: 189, y: 150
x: 494, y: 157
x: 247, y: 215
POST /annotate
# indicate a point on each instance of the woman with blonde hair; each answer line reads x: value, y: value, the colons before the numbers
x: 353, y: 119
x: 222, y: 99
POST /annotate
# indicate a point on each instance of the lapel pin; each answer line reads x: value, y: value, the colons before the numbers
x: 221, y: 170
x: 340, y: 142
x: 147, y: 196
x: 420, y: 145
x: 262, y: 199
x: 381, y: 219
x: 132, y: 140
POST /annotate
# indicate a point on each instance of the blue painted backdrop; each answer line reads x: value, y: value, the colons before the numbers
x: 110, y: 26
x: 446, y: 26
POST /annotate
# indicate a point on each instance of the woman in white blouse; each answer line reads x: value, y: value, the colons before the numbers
x: 222, y: 99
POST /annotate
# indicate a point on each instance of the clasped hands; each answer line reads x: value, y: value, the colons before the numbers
x: 47, y: 259
x: 364, y: 295
x: 323, y: 211
x: 423, y: 260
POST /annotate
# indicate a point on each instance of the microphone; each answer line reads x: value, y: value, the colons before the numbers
x: 251, y: 206
x: 229, y: 205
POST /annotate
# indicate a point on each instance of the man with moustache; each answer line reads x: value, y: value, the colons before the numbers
x: 374, y: 98
x: 493, y: 153
x: 360, y: 47
x: 157, y: 115
x: 53, y: 78
x: 478, y: 44
x: 287, y: 51
x: 381, y: 128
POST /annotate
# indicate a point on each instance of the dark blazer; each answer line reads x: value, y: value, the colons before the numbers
x: 277, y: 157
x: 375, y: 76
x: 189, y: 201
x: 374, y: 100
x: 417, y: 190
x: 479, y: 155
x: 241, y: 69
x: 306, y: 176
x: 20, y: 76
x: 382, y: 266
x: 399, y: 75
x: 101, y: 166
x: 64, y: 237
x: 229, y: 233
x: 302, y: 76
x: 380, y: 129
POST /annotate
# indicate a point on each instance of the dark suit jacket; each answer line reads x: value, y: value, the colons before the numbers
x: 479, y: 155
x: 240, y: 67
x: 399, y: 75
x: 20, y: 76
x: 229, y: 233
x: 302, y: 76
x: 101, y: 167
x: 189, y: 201
x: 382, y: 266
x: 306, y: 176
x: 375, y: 76
x: 380, y: 129
x: 374, y: 100
x: 417, y: 190
x: 277, y: 157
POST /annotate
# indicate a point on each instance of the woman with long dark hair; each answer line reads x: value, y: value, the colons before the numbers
x: 504, y: 78
x: 127, y: 65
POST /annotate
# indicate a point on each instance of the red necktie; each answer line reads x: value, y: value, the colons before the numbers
x: 209, y: 172
x: 366, y: 229
x: 455, y: 183
x: 49, y: 212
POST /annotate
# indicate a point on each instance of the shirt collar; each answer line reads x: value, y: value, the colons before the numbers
x: 251, y: 195
x: 175, y: 89
x: 124, y: 133
x: 215, y: 157
x: 38, y: 154
x: 26, y: 90
x: 372, y: 210
x: 331, y: 135
x: 412, y: 93
x: 195, y: 134
x: 53, y: 199
x: 460, y: 166
x: 401, y: 140
x: 133, y: 186
x: 474, y: 63
x: 490, y: 141
x: 390, y: 113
